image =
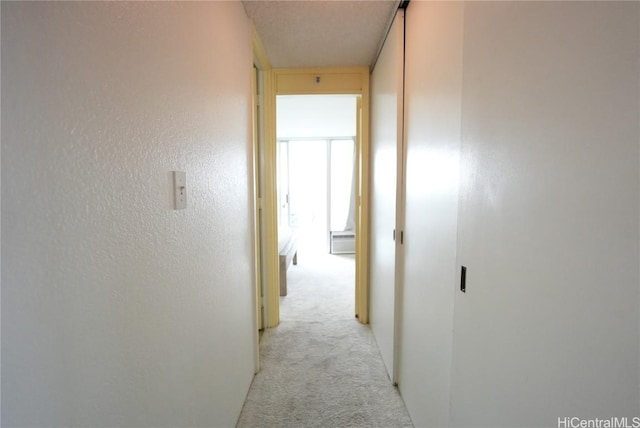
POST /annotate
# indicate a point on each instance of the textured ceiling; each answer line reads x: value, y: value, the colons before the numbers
x: 321, y: 33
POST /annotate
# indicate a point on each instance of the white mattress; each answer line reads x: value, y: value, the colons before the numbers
x: 284, y: 236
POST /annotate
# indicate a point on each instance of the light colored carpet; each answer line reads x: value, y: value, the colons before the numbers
x: 320, y: 367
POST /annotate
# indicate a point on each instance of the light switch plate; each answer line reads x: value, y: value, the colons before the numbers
x: 180, y: 189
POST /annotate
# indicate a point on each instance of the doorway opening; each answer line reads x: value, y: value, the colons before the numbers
x: 316, y: 186
x: 352, y: 82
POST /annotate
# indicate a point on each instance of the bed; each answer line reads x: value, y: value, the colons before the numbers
x: 288, y: 253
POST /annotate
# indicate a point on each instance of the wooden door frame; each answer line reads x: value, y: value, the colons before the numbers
x: 315, y: 81
x: 261, y: 67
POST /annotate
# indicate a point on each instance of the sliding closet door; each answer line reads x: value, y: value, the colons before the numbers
x: 433, y: 91
x: 386, y: 149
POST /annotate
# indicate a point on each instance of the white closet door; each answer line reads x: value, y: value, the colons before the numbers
x: 386, y: 143
x: 433, y: 91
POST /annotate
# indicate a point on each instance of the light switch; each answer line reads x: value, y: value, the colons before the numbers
x: 180, y: 189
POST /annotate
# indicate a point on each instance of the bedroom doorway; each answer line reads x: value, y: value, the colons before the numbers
x: 348, y: 82
x: 316, y: 180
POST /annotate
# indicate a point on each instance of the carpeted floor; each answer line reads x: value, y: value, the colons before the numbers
x: 320, y: 367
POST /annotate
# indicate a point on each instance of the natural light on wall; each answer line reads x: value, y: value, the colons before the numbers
x: 437, y: 171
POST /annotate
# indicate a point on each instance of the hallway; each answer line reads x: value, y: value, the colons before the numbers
x: 320, y: 367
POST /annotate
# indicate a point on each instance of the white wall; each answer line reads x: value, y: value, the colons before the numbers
x: 548, y: 224
x: 432, y: 107
x: 313, y: 116
x: 116, y: 309
x: 538, y: 107
x: 386, y: 134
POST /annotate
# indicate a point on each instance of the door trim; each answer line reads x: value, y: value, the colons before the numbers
x: 260, y: 67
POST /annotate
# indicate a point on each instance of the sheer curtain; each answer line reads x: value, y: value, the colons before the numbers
x: 341, y: 170
x: 351, y: 215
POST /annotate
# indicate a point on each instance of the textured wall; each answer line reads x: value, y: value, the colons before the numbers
x: 116, y: 309
x: 548, y: 226
x: 386, y: 134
